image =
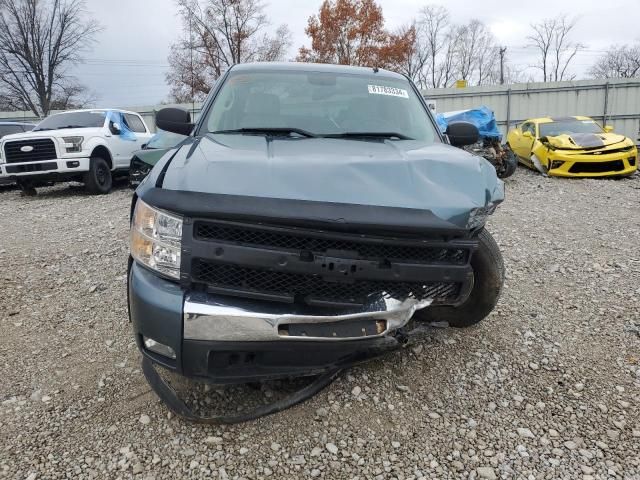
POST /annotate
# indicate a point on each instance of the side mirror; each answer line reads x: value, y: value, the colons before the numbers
x: 174, y: 120
x: 462, y: 133
x: 144, y: 146
x: 114, y: 128
x: 527, y: 134
x: 608, y: 128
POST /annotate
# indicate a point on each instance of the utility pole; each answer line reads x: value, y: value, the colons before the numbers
x: 503, y: 50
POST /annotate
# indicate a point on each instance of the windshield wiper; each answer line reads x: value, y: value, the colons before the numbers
x: 267, y: 131
x: 71, y: 126
x: 399, y: 136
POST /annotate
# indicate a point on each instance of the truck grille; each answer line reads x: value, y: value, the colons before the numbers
x: 43, y: 149
x: 311, y: 288
x: 321, y: 267
x: 318, y: 242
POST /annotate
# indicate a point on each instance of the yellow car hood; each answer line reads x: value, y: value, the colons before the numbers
x: 582, y: 141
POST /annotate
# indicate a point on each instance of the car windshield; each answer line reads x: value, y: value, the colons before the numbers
x: 164, y: 139
x: 567, y: 127
x: 72, y: 120
x: 11, y: 129
x: 320, y: 104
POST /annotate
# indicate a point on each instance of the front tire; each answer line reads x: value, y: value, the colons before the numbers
x: 488, y: 278
x: 98, y: 179
x: 509, y: 164
x: 27, y: 188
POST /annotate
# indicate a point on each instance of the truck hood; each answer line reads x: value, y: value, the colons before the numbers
x: 66, y: 132
x: 447, y: 181
x: 582, y: 141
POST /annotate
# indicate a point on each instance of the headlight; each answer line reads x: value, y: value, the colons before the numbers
x: 73, y: 144
x: 156, y: 239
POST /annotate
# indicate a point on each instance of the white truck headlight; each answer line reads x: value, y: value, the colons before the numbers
x: 156, y: 238
x: 73, y: 144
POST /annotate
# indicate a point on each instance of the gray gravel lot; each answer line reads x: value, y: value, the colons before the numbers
x: 547, y: 387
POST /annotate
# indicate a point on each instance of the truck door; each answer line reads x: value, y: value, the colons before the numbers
x: 123, y: 141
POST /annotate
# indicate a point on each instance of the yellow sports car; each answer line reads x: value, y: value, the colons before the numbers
x: 573, y: 147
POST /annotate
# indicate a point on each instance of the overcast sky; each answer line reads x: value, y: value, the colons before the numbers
x: 128, y: 63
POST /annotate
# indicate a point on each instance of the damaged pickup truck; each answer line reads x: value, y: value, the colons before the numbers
x: 312, y: 212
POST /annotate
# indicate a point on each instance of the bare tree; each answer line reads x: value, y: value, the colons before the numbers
x: 551, y: 38
x: 414, y: 59
x: 447, y: 66
x: 620, y: 61
x: 434, y: 38
x: 39, y: 41
x: 476, y: 51
x: 217, y: 35
x: 487, y: 59
x: 444, y: 52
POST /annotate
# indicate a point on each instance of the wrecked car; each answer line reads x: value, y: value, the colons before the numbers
x: 573, y: 147
x: 489, y: 145
x: 311, y: 213
x: 144, y: 159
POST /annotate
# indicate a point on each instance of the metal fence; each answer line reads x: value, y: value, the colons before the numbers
x: 612, y: 102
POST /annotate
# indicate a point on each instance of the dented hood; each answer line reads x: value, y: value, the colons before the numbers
x: 581, y: 141
x: 448, y: 181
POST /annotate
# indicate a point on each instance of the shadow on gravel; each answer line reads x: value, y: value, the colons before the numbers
x: 66, y: 190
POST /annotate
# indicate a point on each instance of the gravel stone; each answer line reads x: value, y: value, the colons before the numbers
x: 144, y: 419
x: 526, y: 433
x: 569, y: 306
x: 486, y: 472
x: 571, y: 445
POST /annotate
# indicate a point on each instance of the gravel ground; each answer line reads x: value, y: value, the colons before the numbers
x: 547, y: 387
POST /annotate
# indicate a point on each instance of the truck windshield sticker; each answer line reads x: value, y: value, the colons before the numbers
x: 391, y: 91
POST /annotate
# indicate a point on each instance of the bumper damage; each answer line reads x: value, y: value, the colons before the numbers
x: 207, y: 317
x: 232, y: 340
x: 587, y: 163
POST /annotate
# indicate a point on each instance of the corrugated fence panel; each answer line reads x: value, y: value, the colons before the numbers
x: 511, y: 103
x: 618, y: 100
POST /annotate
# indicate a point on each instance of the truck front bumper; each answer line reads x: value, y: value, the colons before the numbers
x: 229, y: 340
x: 45, y: 168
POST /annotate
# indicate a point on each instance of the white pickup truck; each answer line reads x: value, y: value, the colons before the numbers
x: 88, y: 146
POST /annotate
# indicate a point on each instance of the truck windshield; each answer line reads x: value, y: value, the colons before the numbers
x: 319, y: 104
x: 567, y: 127
x: 72, y: 120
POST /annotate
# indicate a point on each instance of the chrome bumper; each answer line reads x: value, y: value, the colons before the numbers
x: 239, y: 320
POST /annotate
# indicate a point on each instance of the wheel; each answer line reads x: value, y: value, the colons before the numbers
x: 488, y: 277
x: 509, y: 164
x: 98, y: 180
x: 27, y: 189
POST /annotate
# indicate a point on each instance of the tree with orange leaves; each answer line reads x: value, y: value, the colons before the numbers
x: 351, y: 32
